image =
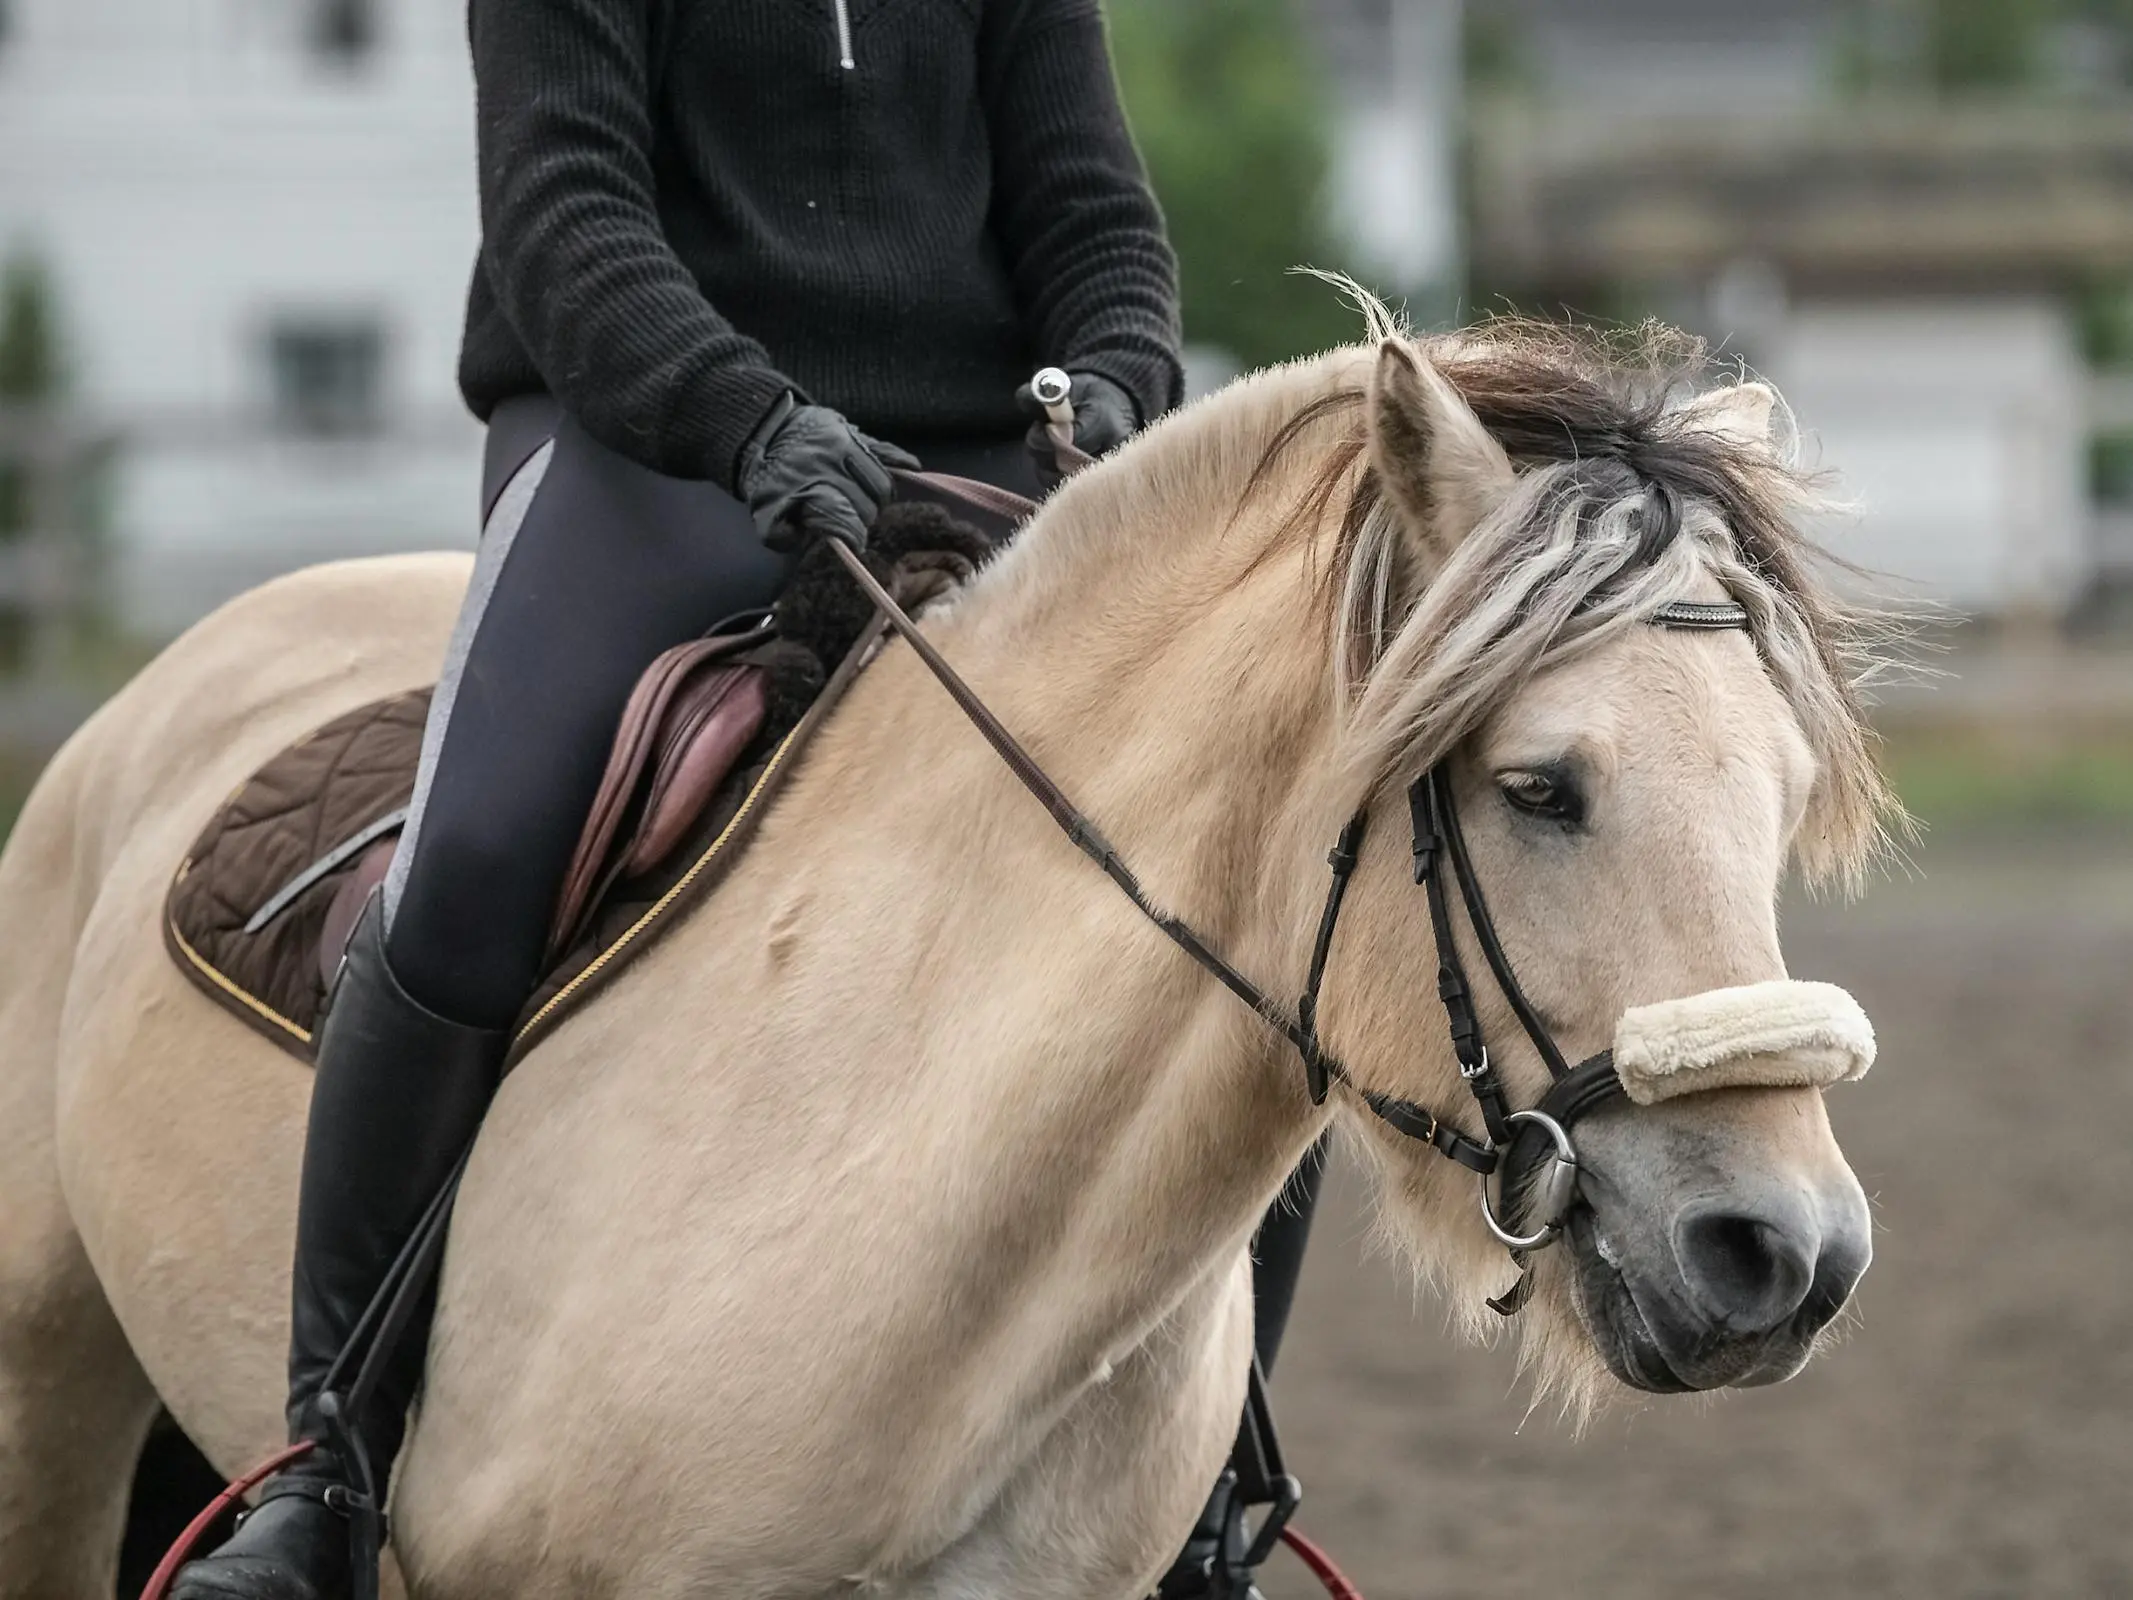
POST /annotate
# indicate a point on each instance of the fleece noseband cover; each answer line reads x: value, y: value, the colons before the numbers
x: 1778, y: 1035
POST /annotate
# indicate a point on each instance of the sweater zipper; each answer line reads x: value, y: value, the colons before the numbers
x: 844, y: 34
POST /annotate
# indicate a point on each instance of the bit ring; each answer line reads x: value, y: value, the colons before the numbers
x: 1565, y: 1155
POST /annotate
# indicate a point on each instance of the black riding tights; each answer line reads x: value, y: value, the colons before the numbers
x: 589, y: 567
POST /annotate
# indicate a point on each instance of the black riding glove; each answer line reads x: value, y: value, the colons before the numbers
x: 1105, y: 417
x: 808, y: 474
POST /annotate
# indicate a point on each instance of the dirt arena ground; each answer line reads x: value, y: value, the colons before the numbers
x: 1974, y: 1434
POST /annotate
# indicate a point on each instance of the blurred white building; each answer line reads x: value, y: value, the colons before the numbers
x: 259, y: 218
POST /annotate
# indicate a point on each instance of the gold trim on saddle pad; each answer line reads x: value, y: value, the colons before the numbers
x: 256, y: 1009
x: 207, y: 970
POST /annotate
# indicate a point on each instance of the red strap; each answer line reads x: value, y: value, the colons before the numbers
x: 181, y: 1552
x: 1321, y: 1565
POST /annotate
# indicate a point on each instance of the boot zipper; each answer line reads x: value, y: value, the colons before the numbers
x: 844, y: 34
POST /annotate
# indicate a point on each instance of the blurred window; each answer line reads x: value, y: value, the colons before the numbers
x: 327, y: 374
x: 342, y: 32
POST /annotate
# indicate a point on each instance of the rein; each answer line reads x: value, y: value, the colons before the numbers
x: 1416, y: 1121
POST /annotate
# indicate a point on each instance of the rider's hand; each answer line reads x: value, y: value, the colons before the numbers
x: 808, y: 474
x: 1105, y: 417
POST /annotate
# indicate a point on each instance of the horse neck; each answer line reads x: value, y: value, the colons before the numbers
x: 1158, y: 643
x: 1179, y: 692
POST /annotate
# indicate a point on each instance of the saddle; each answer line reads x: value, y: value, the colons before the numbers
x: 263, y: 903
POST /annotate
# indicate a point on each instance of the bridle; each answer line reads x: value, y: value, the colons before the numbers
x: 1529, y: 1152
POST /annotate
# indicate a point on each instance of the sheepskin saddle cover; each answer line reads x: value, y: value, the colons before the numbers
x: 264, y: 901
x: 1781, y: 1034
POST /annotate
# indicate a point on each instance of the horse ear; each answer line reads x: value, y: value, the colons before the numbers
x: 1739, y: 412
x: 1441, y: 468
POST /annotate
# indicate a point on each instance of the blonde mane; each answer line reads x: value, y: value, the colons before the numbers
x: 1626, y: 500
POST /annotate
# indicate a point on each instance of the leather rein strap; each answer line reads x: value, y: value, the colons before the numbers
x: 1406, y: 1117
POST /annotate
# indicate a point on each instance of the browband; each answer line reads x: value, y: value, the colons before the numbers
x: 1710, y: 616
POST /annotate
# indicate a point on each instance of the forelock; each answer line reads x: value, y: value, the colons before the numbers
x: 1624, y: 502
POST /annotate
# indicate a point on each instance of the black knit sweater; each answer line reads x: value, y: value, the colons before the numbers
x: 897, y: 207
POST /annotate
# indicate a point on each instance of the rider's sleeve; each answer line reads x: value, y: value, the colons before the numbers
x: 573, y: 245
x: 1093, y: 269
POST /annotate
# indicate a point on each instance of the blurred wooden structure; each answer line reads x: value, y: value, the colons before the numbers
x: 1849, y: 198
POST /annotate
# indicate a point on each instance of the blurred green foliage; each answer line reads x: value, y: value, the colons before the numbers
x: 2111, y: 469
x: 1228, y: 107
x: 2103, y: 321
x: 1494, y: 47
x: 29, y: 371
x: 2012, y: 775
x: 1986, y: 44
x: 29, y: 334
x: 18, y: 775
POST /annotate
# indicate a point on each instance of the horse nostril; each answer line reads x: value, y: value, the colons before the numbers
x: 1748, y: 1274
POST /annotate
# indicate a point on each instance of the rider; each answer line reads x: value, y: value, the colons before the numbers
x: 718, y: 243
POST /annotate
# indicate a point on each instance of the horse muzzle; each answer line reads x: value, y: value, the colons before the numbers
x: 1702, y: 1258
x: 1734, y: 1297
x: 1781, y: 1034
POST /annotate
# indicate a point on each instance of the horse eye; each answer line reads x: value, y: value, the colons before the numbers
x: 1539, y: 794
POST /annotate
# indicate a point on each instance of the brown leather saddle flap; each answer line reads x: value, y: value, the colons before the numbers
x: 697, y: 708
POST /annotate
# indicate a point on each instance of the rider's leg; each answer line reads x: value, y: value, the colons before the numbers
x: 1278, y: 1254
x: 1277, y: 1262
x: 589, y: 567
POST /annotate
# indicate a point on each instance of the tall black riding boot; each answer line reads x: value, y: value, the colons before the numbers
x: 400, y: 1092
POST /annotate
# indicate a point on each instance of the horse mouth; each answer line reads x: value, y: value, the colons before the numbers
x: 1616, y: 1323
x: 1653, y: 1348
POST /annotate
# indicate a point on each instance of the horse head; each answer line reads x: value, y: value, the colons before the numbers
x: 1632, y: 797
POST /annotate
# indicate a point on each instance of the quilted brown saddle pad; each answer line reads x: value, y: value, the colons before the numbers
x: 265, y: 899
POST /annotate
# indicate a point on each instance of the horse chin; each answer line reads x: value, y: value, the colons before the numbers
x: 1653, y: 1351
